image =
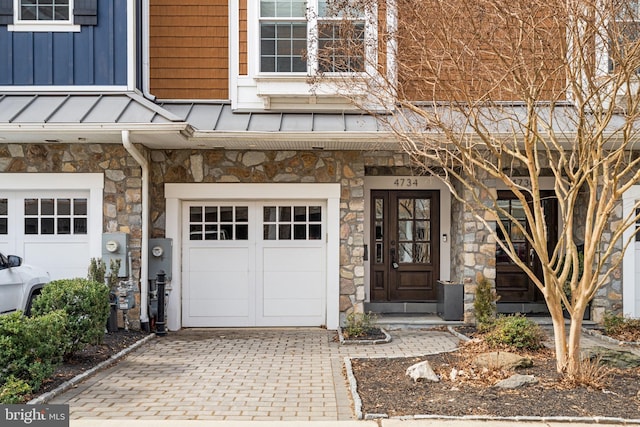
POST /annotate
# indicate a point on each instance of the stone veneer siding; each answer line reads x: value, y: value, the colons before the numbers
x: 122, y: 183
x: 344, y: 167
x: 473, y: 248
x: 608, y: 298
x: 472, y: 251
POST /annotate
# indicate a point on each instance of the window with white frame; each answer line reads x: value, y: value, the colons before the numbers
x: 45, y: 10
x: 300, y: 222
x: 48, y: 15
x: 55, y: 216
x: 214, y: 222
x: 624, y: 33
x: 298, y: 36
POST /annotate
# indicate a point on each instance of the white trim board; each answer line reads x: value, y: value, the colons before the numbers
x: 629, y: 287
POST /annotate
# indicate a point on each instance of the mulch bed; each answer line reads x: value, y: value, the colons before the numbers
x: 384, y: 388
x: 90, y: 356
x: 372, y: 334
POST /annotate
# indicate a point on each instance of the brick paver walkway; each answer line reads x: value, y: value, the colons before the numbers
x: 238, y: 374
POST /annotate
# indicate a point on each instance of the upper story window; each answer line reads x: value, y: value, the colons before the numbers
x: 284, y: 44
x: 298, y: 36
x: 625, y: 32
x: 48, y: 15
x: 283, y: 36
x: 44, y: 10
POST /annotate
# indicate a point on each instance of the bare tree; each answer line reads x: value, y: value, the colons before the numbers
x: 485, y: 93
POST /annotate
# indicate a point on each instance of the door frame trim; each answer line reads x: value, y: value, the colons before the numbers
x: 629, y: 290
x: 175, y: 194
x: 426, y: 183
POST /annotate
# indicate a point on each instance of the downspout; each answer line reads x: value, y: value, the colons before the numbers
x: 144, y: 250
x: 146, y: 85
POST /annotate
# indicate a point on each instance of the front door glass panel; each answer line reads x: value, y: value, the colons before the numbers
x: 414, y: 230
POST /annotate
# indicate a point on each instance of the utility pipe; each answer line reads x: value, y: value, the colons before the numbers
x: 144, y: 250
x: 146, y: 84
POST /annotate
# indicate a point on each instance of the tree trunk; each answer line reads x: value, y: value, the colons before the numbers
x: 575, y: 333
x: 560, y: 337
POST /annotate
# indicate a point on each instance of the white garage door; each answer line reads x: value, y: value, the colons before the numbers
x: 48, y: 229
x: 254, y: 264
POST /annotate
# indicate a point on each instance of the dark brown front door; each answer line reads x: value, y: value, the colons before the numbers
x: 513, y: 284
x: 405, y: 256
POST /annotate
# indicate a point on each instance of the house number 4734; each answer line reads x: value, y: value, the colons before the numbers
x: 406, y: 182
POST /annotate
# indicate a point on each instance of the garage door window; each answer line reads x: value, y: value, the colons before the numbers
x: 55, y: 216
x: 4, y: 216
x: 292, y: 222
x: 218, y: 223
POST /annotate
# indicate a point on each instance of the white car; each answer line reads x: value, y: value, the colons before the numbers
x: 19, y: 284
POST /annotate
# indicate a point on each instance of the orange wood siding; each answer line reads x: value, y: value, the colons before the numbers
x: 460, y: 50
x: 189, y: 49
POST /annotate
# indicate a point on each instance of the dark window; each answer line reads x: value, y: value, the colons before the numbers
x: 53, y: 216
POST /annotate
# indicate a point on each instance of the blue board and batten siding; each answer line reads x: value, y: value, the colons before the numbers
x: 95, y: 56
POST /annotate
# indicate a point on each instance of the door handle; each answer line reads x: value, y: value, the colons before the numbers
x: 532, y: 255
x: 394, y: 263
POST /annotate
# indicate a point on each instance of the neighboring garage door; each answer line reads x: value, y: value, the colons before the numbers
x: 254, y: 264
x: 49, y: 229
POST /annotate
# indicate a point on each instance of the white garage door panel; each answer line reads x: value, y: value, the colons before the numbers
x: 6, y: 249
x: 292, y: 259
x: 284, y: 285
x: 220, y: 285
x: 208, y: 307
x: 218, y: 259
x: 302, y: 308
x: 63, y: 260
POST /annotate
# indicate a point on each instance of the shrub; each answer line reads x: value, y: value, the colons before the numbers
x: 484, y: 304
x: 592, y: 374
x: 621, y: 327
x: 359, y: 324
x: 515, y: 331
x: 30, y: 349
x: 97, y: 270
x: 13, y: 391
x: 86, y: 304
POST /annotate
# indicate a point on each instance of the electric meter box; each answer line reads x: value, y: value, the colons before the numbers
x: 115, y: 246
x: 160, y: 253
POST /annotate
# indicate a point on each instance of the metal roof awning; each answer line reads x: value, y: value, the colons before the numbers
x: 101, y: 117
x: 82, y: 117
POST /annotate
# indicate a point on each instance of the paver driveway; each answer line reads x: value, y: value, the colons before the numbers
x: 238, y: 374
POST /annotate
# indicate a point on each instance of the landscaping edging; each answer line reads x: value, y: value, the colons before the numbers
x: 385, y: 340
x: 596, y: 333
x: 360, y: 415
x: 44, y: 398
